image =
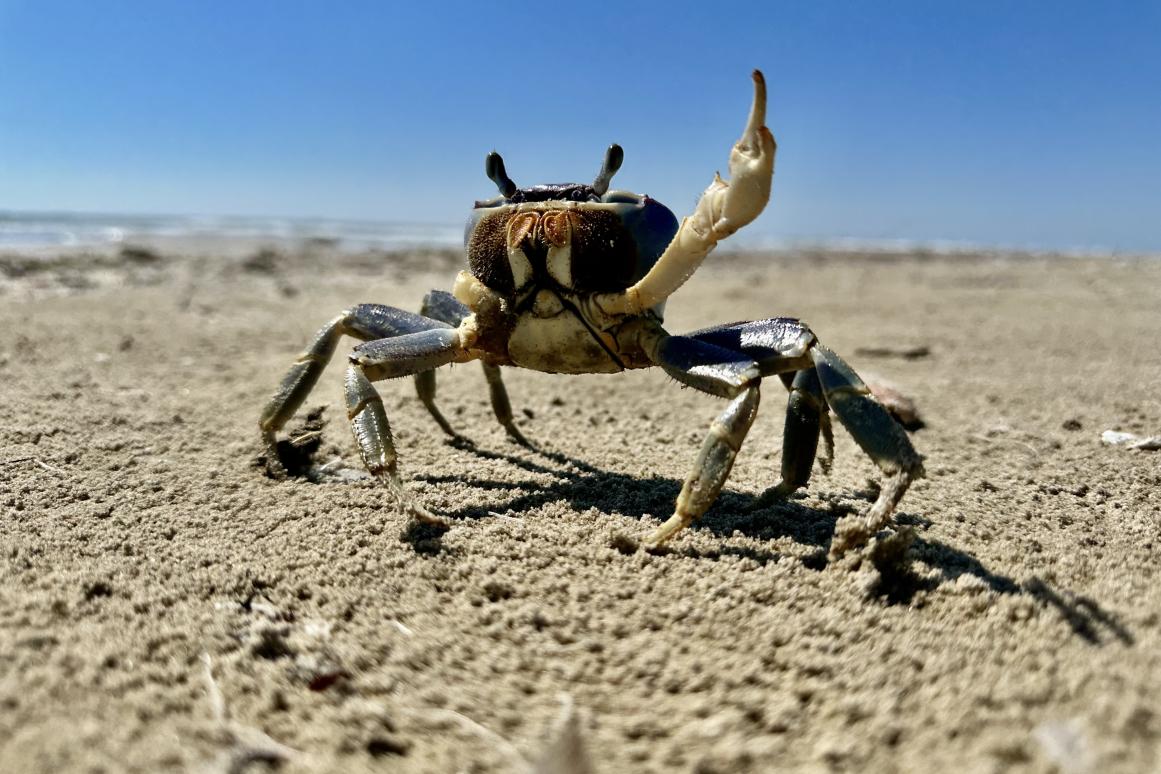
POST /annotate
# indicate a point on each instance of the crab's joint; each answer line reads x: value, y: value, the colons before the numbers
x: 627, y: 302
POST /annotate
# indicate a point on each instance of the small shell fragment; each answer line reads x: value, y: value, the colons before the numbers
x: 1130, y: 441
x: 901, y: 407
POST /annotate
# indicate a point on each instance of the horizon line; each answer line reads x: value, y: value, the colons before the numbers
x: 742, y: 241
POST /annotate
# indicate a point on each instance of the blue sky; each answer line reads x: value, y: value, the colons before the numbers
x: 1029, y: 124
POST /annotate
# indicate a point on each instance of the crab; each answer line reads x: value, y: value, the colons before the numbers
x: 573, y: 279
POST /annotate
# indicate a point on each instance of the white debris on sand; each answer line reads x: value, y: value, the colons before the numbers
x: 1130, y: 441
x: 1066, y: 745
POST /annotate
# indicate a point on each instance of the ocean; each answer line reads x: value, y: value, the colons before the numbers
x: 70, y: 229
x: 47, y: 230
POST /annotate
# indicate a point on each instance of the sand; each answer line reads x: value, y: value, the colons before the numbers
x: 164, y: 606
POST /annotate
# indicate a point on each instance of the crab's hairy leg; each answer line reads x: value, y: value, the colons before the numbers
x: 719, y: 372
x: 441, y: 305
x: 387, y: 359
x: 878, y: 435
x: 501, y: 406
x: 364, y: 321
x: 804, y: 411
x: 723, y: 208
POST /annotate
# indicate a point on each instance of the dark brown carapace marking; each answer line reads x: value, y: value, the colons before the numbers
x: 603, y: 255
x: 488, y: 253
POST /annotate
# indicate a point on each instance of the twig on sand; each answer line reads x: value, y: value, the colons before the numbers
x: 247, y: 744
x: 38, y: 461
x: 564, y: 753
x: 334, y: 464
x: 213, y: 693
x: 463, y: 721
x: 401, y: 628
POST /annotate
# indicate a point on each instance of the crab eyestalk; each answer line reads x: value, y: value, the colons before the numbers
x: 494, y: 166
x: 614, y: 157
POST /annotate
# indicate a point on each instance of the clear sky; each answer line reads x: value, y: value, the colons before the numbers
x: 1016, y: 123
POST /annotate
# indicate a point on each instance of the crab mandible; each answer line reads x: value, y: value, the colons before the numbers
x: 572, y: 278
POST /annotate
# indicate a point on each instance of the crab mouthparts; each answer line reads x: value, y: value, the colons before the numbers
x: 537, y: 254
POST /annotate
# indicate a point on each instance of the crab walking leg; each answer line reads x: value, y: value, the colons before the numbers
x: 441, y: 305
x: 723, y: 208
x: 826, y: 459
x: 800, y: 434
x: 501, y: 406
x: 386, y: 359
x: 781, y: 345
x: 365, y: 321
x: 713, y: 464
x: 719, y: 372
x: 878, y: 435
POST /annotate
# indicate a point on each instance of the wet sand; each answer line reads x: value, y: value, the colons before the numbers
x: 139, y: 544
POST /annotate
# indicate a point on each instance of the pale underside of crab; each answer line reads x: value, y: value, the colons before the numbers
x: 572, y: 279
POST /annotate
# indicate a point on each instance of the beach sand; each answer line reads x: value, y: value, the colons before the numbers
x: 141, y: 550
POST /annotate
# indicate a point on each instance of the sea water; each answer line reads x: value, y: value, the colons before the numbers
x: 47, y: 230
x: 71, y: 229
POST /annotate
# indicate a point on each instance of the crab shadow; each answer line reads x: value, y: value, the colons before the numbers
x: 1085, y: 617
x: 586, y: 486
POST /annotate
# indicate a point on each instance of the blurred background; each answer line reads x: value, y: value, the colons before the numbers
x: 991, y: 124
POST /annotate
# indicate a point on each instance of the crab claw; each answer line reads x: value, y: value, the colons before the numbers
x: 751, y: 170
x: 723, y: 208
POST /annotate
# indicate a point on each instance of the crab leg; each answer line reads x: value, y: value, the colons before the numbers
x: 729, y: 360
x: 364, y: 321
x: 723, y: 209
x: 443, y: 306
x: 719, y: 372
x: 781, y: 345
x: 878, y: 435
x: 804, y: 411
x: 386, y: 359
x: 501, y: 406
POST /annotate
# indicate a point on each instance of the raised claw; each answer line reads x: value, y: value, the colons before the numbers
x: 724, y: 207
x: 751, y: 169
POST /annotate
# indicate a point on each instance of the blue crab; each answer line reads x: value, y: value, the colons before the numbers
x: 573, y: 279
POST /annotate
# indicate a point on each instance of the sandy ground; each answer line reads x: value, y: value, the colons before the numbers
x: 139, y: 545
